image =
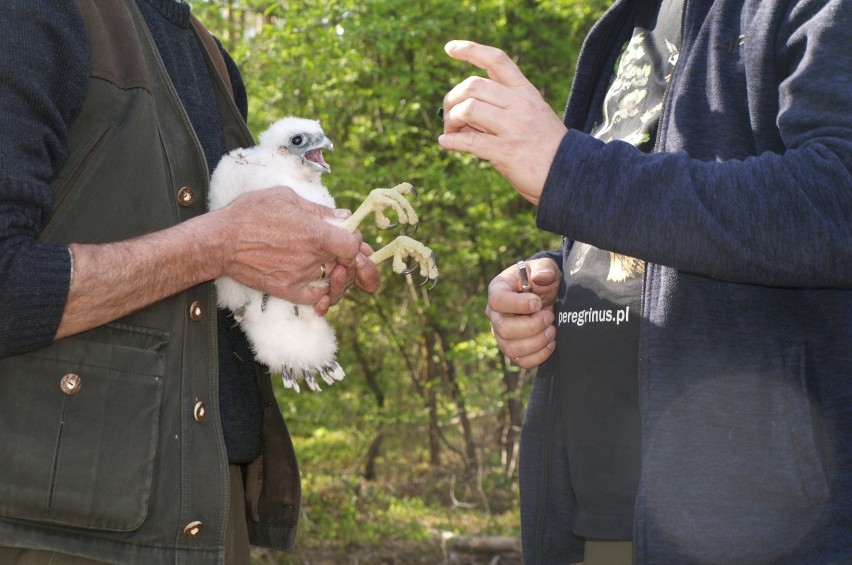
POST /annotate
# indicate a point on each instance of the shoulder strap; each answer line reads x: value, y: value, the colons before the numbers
x: 236, y: 131
x: 213, y: 51
x: 115, y: 55
x: 114, y: 52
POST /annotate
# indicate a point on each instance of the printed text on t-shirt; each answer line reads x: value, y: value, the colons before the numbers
x: 592, y: 316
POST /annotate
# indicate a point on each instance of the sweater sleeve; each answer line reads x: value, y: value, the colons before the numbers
x: 780, y: 217
x: 44, y: 73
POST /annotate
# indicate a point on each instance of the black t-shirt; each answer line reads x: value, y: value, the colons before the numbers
x: 598, y: 314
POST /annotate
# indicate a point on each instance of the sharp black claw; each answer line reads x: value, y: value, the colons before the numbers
x: 414, y: 194
x: 390, y: 227
x: 408, y: 270
x: 408, y: 227
x: 427, y: 279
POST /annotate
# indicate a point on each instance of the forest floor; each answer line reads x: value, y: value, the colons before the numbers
x: 389, y: 554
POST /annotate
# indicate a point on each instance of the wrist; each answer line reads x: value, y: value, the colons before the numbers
x: 211, y: 244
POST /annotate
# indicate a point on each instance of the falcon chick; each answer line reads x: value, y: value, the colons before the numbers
x: 290, y: 339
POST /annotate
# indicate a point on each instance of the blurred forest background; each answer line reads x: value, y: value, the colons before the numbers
x: 419, y: 443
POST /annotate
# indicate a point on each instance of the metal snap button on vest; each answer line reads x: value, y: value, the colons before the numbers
x: 185, y: 196
x: 193, y: 529
x: 200, y: 412
x: 70, y: 384
x: 195, y: 311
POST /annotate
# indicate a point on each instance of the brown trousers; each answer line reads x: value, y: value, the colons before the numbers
x: 608, y: 552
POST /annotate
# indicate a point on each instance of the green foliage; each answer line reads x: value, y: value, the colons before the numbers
x: 374, y: 73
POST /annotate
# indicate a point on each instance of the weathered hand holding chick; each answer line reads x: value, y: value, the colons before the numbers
x: 293, y: 340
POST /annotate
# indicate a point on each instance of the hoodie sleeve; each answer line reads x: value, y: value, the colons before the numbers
x: 754, y: 180
x: 44, y: 73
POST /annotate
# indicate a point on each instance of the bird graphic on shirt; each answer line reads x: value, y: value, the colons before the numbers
x: 623, y: 267
x: 291, y: 339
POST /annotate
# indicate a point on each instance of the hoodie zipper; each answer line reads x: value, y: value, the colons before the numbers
x: 643, y: 396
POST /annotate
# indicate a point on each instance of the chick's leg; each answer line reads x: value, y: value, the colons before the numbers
x: 379, y: 200
x: 401, y: 249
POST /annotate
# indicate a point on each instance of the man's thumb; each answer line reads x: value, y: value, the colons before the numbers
x: 543, y: 277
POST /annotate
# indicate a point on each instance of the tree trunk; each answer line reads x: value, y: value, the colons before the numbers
x: 375, y: 448
x: 449, y: 374
x: 513, y: 414
x: 431, y: 398
x: 483, y: 544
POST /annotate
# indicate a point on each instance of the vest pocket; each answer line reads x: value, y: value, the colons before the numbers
x: 81, y: 425
x: 80, y: 164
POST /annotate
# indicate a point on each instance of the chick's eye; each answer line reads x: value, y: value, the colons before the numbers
x: 297, y: 140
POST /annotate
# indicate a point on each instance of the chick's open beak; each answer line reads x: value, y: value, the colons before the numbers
x: 315, y: 155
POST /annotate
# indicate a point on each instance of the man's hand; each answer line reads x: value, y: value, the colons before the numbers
x: 271, y: 240
x: 522, y: 322
x: 363, y: 273
x: 502, y: 119
x: 280, y: 244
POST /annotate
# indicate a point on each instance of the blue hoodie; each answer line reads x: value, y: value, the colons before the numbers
x: 744, y: 214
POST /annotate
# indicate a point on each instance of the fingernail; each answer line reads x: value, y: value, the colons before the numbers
x: 550, y: 333
x: 535, y: 305
x: 454, y: 44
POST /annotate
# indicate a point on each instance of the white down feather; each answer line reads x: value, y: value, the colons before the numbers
x: 289, y: 339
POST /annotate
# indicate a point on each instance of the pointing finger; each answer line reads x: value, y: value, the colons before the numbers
x: 494, y: 61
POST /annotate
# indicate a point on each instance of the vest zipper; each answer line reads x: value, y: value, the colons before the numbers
x: 56, y: 450
x: 663, y: 127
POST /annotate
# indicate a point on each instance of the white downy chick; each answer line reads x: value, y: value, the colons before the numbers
x: 291, y: 340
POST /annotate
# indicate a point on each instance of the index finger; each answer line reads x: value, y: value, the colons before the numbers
x: 367, y: 276
x: 340, y: 243
x: 499, y: 66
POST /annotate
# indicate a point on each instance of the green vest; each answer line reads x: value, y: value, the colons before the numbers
x: 112, y: 446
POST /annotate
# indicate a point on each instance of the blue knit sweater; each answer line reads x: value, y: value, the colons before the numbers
x: 744, y: 214
x: 44, y: 75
